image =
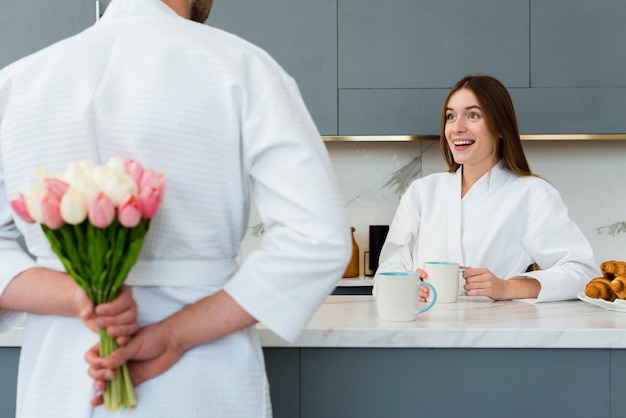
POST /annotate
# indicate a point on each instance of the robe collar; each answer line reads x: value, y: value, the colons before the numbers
x: 494, y: 177
x: 135, y: 8
x: 454, y: 217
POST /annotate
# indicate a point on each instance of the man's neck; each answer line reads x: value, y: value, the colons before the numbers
x: 181, y: 7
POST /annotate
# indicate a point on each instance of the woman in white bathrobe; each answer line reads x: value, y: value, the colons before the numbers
x: 489, y: 212
x: 222, y: 121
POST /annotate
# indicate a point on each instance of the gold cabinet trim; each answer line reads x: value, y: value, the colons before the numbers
x: 531, y: 137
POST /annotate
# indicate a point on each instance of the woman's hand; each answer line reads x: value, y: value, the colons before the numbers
x: 482, y: 282
x: 148, y: 354
x: 423, y: 289
x: 119, y: 316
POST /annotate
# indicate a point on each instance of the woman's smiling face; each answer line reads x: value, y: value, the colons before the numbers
x: 469, y: 138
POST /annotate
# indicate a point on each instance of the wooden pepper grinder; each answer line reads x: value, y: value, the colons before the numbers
x: 352, y: 270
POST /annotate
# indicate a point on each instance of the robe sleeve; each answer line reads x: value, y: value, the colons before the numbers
x: 13, y: 259
x: 306, y: 243
x: 398, y: 249
x: 558, y: 246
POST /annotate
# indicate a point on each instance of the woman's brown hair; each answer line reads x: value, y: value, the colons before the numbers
x: 499, y: 113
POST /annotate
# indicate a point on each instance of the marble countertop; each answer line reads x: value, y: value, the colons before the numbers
x: 356, y: 282
x: 473, y: 322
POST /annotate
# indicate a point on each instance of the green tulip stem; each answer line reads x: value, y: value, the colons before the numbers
x: 99, y: 260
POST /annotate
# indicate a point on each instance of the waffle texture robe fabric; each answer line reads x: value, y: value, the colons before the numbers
x: 504, y: 223
x: 222, y: 121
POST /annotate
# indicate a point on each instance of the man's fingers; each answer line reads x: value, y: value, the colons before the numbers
x: 97, y: 400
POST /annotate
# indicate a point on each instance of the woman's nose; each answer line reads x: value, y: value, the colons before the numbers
x: 459, y: 126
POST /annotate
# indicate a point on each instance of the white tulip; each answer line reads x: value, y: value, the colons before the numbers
x: 86, y: 165
x: 41, y: 175
x: 86, y: 186
x: 116, y: 164
x: 102, y: 176
x: 74, y: 206
x: 119, y: 187
x: 33, y: 196
x: 76, y: 177
x: 71, y: 173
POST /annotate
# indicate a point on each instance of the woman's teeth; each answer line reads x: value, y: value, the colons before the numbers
x: 465, y: 142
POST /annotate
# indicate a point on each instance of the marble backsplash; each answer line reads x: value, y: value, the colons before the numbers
x: 590, y: 175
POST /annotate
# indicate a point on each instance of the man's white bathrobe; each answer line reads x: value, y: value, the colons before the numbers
x: 221, y: 120
x: 504, y: 223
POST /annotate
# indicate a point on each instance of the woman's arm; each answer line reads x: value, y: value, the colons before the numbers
x: 558, y: 246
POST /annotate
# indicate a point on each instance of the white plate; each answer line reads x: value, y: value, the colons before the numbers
x: 618, y: 305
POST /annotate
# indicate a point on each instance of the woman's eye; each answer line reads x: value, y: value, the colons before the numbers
x: 449, y: 116
x: 474, y: 115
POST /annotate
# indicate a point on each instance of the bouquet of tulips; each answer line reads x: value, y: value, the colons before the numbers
x: 96, y: 219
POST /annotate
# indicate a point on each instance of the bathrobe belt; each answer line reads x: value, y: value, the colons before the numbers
x: 186, y: 273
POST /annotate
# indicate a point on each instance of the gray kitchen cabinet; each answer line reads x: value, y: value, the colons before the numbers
x: 406, y: 383
x: 366, y: 68
x: 578, y: 43
x: 397, y: 61
x: 618, y: 383
x: 404, y: 44
x: 302, y: 36
x: 562, y: 61
x: 564, y: 110
x: 282, y: 366
x: 9, y: 359
x: 578, y: 68
x: 398, y: 382
x: 412, y: 111
x: 29, y: 25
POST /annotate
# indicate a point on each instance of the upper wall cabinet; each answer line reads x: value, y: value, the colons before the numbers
x: 29, y: 25
x: 578, y: 68
x: 563, y: 62
x: 398, y: 59
x: 301, y: 35
x: 367, y: 67
x: 578, y: 43
x: 403, y: 44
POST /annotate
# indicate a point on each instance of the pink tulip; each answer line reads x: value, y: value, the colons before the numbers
x: 150, y: 178
x: 51, y: 212
x: 151, y: 190
x: 19, y: 206
x: 150, y: 199
x: 56, y: 187
x: 134, y: 169
x: 101, y: 210
x: 129, y: 212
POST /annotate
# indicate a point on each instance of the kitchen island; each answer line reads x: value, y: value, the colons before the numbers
x: 475, y: 358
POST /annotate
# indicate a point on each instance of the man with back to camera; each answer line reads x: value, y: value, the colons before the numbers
x: 222, y: 120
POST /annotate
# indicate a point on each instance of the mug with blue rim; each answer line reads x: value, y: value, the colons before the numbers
x: 397, y: 295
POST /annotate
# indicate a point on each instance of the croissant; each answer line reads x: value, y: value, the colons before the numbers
x: 618, y: 284
x: 612, y: 268
x: 600, y: 288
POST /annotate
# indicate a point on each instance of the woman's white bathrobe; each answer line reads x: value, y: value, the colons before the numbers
x: 504, y: 223
x: 221, y: 120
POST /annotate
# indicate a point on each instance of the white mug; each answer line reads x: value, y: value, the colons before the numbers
x: 444, y: 276
x: 397, y: 296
